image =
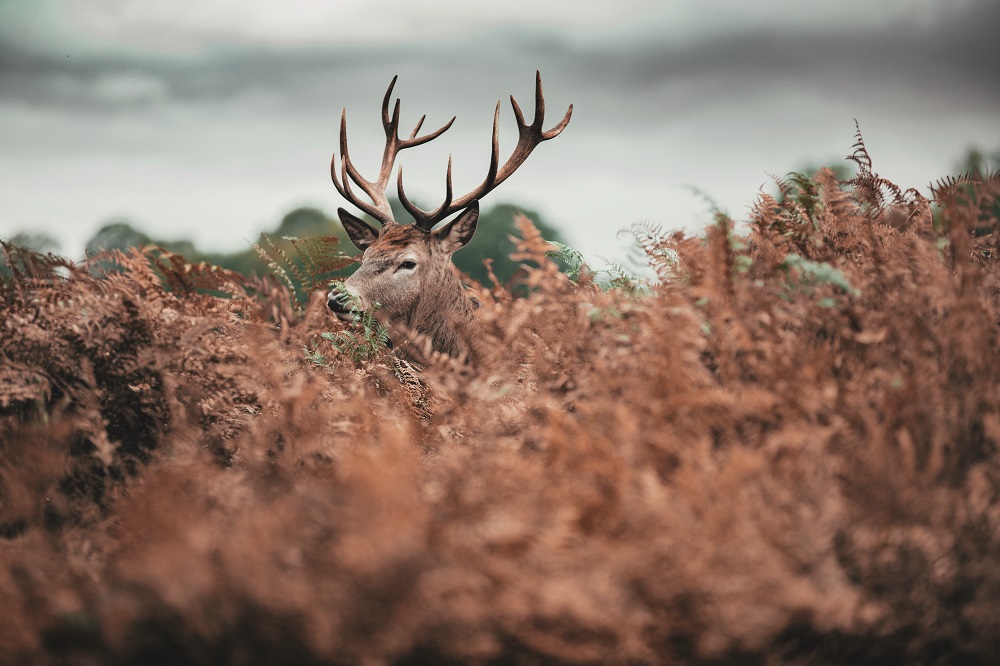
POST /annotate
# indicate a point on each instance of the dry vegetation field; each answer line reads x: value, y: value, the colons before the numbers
x: 784, y: 450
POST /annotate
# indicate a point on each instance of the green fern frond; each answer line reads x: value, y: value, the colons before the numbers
x: 322, y: 254
x: 366, y: 338
x: 815, y: 273
x: 806, y: 194
x: 570, y: 259
x: 301, y: 279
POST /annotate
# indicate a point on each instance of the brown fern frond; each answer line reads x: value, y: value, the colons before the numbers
x: 947, y: 186
x: 191, y: 278
x: 22, y: 383
x: 859, y: 154
x: 836, y: 201
x: 765, y: 214
x: 722, y: 257
x: 868, y: 185
x: 170, y: 267
x: 532, y: 246
x: 413, y: 385
x: 791, y: 460
x: 23, y: 270
x: 266, y: 298
x: 881, y: 196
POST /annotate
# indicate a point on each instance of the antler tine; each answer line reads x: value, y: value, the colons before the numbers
x: 491, y: 175
x: 379, y: 208
x: 540, y: 112
x: 348, y: 173
x: 539, y: 102
x: 386, y: 122
x: 425, y: 219
x: 529, y: 136
x: 557, y: 130
x: 411, y: 142
x: 391, y: 126
x: 416, y: 129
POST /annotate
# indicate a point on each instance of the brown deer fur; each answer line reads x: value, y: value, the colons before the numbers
x: 426, y: 303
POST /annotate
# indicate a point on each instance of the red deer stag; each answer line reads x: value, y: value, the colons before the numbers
x: 406, y: 273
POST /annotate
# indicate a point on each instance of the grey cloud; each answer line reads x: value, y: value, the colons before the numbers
x: 960, y: 56
x: 963, y: 50
x: 55, y: 80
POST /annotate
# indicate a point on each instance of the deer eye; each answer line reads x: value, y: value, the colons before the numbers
x: 408, y: 265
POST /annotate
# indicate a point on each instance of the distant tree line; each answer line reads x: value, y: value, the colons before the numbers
x: 492, y: 241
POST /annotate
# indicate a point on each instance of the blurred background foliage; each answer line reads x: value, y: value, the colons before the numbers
x: 492, y: 241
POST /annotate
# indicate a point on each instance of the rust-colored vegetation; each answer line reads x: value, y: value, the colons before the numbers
x: 783, y: 451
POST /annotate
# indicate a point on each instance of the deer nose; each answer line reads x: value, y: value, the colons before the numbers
x: 339, y: 302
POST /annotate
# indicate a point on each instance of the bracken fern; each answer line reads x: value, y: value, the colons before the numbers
x: 785, y: 450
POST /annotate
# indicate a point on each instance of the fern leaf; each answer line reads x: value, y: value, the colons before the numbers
x: 275, y: 267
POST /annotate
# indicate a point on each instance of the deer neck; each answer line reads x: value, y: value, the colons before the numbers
x: 442, y: 315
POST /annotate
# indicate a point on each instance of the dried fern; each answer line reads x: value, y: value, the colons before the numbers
x: 23, y: 269
x: 727, y: 470
x: 187, y: 278
x: 878, y: 194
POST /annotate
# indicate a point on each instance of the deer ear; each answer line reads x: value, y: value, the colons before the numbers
x: 457, y: 233
x: 360, y: 232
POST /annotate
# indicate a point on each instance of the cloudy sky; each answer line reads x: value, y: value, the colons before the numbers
x: 211, y: 119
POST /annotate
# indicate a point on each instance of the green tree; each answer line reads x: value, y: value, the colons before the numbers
x: 978, y: 163
x: 493, y: 241
x: 117, y: 235
x: 308, y: 221
x: 303, y: 222
x: 39, y: 241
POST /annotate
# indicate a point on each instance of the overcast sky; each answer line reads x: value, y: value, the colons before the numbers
x: 209, y: 120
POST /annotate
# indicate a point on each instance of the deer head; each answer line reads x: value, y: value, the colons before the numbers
x: 406, y: 273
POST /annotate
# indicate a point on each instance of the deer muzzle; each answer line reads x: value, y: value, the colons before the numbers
x: 341, y: 304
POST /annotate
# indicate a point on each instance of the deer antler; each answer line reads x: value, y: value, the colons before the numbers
x: 529, y: 136
x: 379, y: 208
